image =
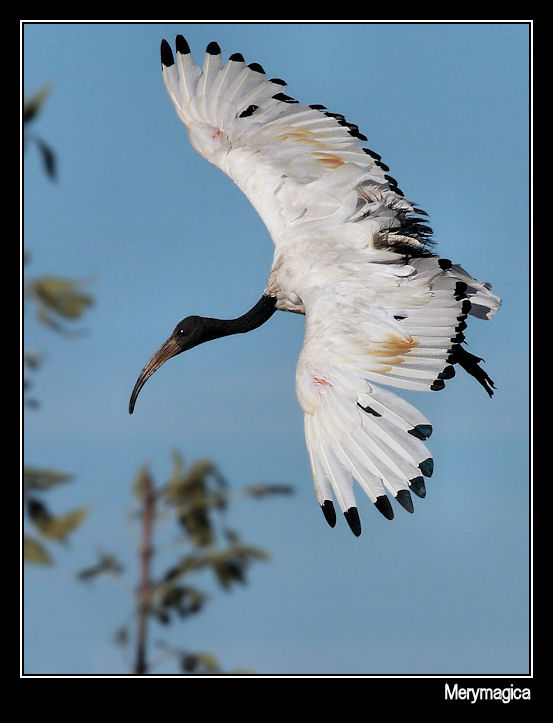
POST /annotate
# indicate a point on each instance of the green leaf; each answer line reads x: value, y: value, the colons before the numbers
x: 35, y: 478
x: 232, y: 563
x: 208, y: 662
x: 32, y: 360
x: 228, y: 564
x: 195, y: 492
x: 34, y: 552
x: 182, y: 599
x: 228, y: 572
x: 60, y: 296
x: 187, y: 565
x: 107, y: 564
x: 199, y: 663
x: 57, y: 528
x: 121, y: 636
x: 39, y: 514
x: 32, y: 105
x: 48, y: 158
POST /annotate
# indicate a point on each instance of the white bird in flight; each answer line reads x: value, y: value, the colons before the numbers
x: 351, y: 254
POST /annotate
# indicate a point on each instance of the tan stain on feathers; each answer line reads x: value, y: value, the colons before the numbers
x: 329, y: 160
x: 322, y: 153
x: 393, y: 348
x: 299, y: 135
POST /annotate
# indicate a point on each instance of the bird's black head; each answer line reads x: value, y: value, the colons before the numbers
x: 195, y: 330
x: 187, y: 334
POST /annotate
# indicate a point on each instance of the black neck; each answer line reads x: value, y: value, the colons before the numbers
x: 256, y: 316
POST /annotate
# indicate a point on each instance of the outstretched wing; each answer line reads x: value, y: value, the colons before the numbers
x: 353, y: 255
x: 401, y: 325
x: 292, y: 161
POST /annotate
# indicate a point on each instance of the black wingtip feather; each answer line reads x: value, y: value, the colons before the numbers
x: 447, y: 373
x: 427, y: 467
x: 166, y: 54
x: 329, y: 512
x: 383, y: 505
x: 284, y: 98
x: 181, y: 45
x: 460, y: 290
x: 213, y: 48
x: 404, y: 499
x: 372, y: 154
x: 421, y: 431
x: 418, y: 487
x: 352, y: 518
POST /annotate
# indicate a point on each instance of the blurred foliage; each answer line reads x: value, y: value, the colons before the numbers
x: 196, y: 500
x: 42, y: 479
x: 31, y: 362
x: 58, y: 301
x: 31, y: 109
x: 33, y: 551
x: 107, y: 564
x: 54, y: 528
x: 193, y: 493
x: 199, y: 663
x: 48, y: 526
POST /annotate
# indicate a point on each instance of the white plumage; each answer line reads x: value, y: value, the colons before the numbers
x: 353, y: 255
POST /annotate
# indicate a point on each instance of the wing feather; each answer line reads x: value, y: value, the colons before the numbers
x: 353, y: 255
x: 233, y: 111
x: 406, y: 335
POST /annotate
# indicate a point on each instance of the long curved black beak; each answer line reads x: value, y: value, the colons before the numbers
x: 169, y: 349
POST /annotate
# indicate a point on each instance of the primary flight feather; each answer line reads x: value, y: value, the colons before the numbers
x: 354, y: 256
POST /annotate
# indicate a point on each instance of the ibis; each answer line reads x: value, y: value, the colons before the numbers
x: 354, y: 256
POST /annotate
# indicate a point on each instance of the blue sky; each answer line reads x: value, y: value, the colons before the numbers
x: 160, y: 234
